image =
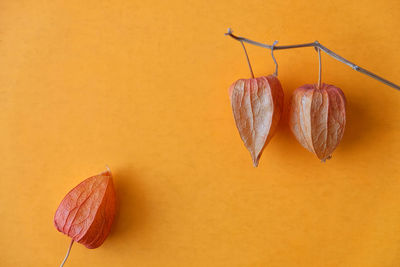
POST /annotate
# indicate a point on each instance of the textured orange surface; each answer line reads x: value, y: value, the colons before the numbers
x: 142, y: 86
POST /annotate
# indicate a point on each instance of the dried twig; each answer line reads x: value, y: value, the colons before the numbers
x: 316, y: 45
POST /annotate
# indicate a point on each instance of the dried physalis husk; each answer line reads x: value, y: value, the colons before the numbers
x: 87, y: 212
x: 257, y: 105
x: 318, y: 118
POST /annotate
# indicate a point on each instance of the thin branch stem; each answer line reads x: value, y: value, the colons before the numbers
x: 319, y: 67
x: 316, y: 44
x: 66, y: 256
x: 248, y: 60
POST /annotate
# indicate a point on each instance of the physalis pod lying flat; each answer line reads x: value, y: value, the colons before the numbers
x: 87, y: 212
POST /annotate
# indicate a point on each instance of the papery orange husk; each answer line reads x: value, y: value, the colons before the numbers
x: 318, y: 118
x: 257, y: 106
x: 87, y: 212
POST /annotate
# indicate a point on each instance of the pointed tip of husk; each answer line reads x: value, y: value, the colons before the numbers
x: 325, y: 159
x: 255, y: 162
x: 107, y: 171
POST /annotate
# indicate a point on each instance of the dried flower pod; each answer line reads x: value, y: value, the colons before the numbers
x: 87, y: 212
x: 257, y: 105
x: 318, y: 118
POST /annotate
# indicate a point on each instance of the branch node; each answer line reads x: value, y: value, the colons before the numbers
x: 229, y: 31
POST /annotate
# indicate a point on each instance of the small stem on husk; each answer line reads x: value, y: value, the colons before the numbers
x: 316, y: 44
x: 319, y: 68
x: 273, y: 57
x: 248, y: 60
x: 66, y: 256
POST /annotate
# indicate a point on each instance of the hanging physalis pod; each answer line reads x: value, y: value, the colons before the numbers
x: 257, y: 106
x: 87, y: 212
x: 318, y: 118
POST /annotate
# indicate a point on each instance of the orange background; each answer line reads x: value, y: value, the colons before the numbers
x: 142, y: 86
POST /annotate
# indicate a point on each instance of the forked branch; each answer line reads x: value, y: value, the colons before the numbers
x: 316, y: 45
